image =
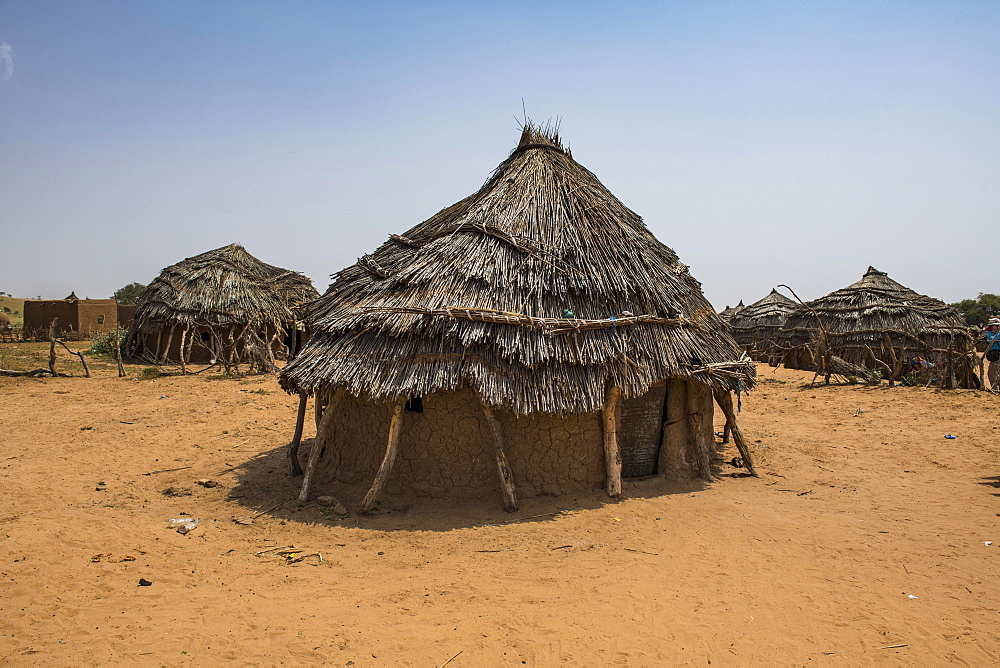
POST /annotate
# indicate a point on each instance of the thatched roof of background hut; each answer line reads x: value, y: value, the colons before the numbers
x: 877, y: 303
x: 225, y: 286
x: 538, y: 291
x: 770, y: 311
x: 728, y: 312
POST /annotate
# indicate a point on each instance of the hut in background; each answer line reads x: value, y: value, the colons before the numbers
x: 878, y: 324
x: 222, y: 306
x: 727, y: 313
x: 535, y: 333
x: 758, y: 327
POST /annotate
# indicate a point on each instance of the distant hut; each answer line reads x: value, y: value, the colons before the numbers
x: 727, y: 313
x: 881, y: 325
x: 222, y: 306
x: 758, y: 327
x: 535, y: 330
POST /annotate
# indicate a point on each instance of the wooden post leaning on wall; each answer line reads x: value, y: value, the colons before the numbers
x: 503, y: 468
x: 610, y: 414
x: 395, y: 427
x: 725, y: 401
x: 293, y: 448
x: 166, y: 348
x: 699, y: 399
x: 323, y: 437
x: 180, y: 350
x: 674, y: 443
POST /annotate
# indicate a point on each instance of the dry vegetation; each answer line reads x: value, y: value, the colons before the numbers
x: 869, y: 539
x: 16, y: 307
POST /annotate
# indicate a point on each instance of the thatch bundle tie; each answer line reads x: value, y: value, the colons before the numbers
x: 406, y: 241
x: 368, y: 263
x: 550, y: 325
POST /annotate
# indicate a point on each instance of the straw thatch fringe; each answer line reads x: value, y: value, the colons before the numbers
x: 543, y: 237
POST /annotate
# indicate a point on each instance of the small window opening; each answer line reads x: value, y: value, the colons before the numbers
x: 206, y: 337
x: 100, y: 320
x: 415, y: 404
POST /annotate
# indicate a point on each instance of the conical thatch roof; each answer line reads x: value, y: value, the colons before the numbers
x: 728, y: 312
x: 878, y: 303
x: 524, y: 291
x: 770, y: 311
x: 879, y: 324
x: 225, y: 286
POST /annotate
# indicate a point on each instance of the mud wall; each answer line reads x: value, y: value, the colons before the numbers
x: 447, y: 450
x: 94, y: 316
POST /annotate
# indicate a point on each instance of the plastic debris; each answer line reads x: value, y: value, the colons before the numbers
x: 950, y: 437
x: 910, y: 596
x: 182, y: 524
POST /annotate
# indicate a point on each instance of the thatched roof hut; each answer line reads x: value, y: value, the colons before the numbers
x: 521, y: 314
x: 727, y: 313
x: 222, y: 306
x: 758, y: 327
x: 882, y: 325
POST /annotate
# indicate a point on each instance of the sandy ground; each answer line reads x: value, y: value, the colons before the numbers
x: 866, y: 530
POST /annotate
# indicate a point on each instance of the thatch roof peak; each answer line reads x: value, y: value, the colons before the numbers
x: 482, y: 292
x: 769, y: 311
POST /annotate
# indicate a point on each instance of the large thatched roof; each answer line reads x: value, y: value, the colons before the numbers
x: 770, y: 311
x: 523, y: 291
x: 877, y: 303
x: 225, y: 286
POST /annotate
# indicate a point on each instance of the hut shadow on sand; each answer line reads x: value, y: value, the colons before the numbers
x: 264, y: 489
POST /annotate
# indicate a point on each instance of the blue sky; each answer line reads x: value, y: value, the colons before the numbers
x: 765, y: 142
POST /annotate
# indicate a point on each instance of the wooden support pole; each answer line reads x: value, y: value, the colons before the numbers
x: 166, y: 348
x: 323, y: 436
x: 156, y: 353
x: 697, y: 393
x: 395, y: 427
x: 118, y: 352
x: 725, y: 401
x: 293, y: 448
x: 52, y: 347
x: 610, y: 414
x: 180, y: 351
x: 503, y: 468
x: 190, y: 345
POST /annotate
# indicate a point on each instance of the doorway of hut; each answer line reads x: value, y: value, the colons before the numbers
x: 293, y: 341
x: 640, y: 431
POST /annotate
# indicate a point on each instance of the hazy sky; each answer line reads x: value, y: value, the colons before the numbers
x: 765, y: 142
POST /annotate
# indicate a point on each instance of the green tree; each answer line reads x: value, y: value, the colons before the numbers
x: 977, y: 311
x: 130, y: 293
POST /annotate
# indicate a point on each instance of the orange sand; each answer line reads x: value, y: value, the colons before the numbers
x: 814, y: 563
